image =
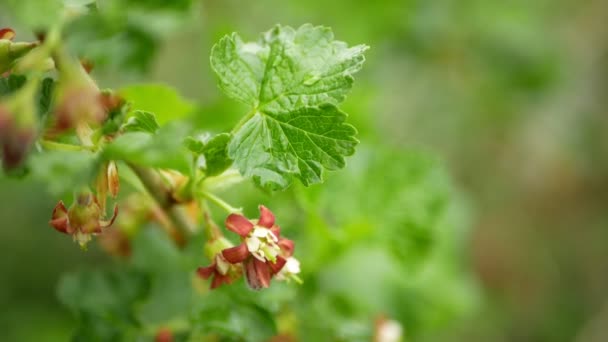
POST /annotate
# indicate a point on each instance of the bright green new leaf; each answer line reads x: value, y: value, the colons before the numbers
x: 159, y: 99
x: 141, y: 121
x: 292, y: 80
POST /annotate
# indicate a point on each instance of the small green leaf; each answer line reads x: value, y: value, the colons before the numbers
x: 194, y: 145
x: 216, y: 154
x: 141, y: 121
x: 292, y: 80
x: 159, y: 99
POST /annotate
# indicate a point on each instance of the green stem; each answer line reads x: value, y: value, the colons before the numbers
x: 221, y: 203
x: 57, y: 146
x: 157, y: 189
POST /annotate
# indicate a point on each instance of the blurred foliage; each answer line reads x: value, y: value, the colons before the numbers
x: 510, y: 95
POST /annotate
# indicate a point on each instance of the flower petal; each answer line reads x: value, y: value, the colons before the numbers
x: 206, y: 272
x: 287, y: 246
x: 219, y: 279
x: 277, y: 266
x: 276, y: 231
x: 239, y: 224
x: 263, y: 273
x: 60, y: 225
x: 106, y: 224
x: 257, y: 274
x: 266, y: 217
x: 59, y: 211
x: 237, y: 254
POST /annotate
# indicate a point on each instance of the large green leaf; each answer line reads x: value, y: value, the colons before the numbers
x: 292, y: 80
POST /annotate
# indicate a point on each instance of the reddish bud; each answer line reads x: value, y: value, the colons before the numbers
x: 164, y: 335
x: 113, y: 180
x: 7, y: 33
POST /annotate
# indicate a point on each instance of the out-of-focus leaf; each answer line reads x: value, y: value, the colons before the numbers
x: 162, y: 150
x: 170, y: 272
x: 159, y: 99
x: 104, y: 302
x: 233, y: 318
x: 63, y: 171
x: 35, y: 14
x: 125, y: 35
x: 141, y: 121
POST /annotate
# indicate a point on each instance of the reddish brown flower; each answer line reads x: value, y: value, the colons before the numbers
x: 219, y: 271
x: 82, y: 220
x: 262, y: 251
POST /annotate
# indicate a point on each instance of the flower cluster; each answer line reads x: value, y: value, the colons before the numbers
x: 262, y: 253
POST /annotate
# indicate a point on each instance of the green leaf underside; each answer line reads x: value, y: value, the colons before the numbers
x: 292, y: 80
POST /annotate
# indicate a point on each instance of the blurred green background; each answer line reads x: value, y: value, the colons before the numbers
x: 483, y: 168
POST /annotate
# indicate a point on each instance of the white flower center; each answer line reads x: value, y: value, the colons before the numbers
x: 262, y: 244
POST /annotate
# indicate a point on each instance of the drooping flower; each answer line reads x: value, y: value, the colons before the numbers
x: 262, y: 250
x: 82, y: 220
x: 220, y: 271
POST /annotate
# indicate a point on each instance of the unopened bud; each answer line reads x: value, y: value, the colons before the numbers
x: 113, y: 180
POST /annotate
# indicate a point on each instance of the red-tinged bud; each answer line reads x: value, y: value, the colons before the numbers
x: 18, y: 125
x: 107, y: 181
x: 78, y: 98
x: 7, y: 33
x: 82, y: 219
x: 113, y: 180
x: 16, y: 147
x: 164, y: 335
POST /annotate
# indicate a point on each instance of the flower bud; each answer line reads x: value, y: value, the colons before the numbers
x: 78, y: 98
x: 18, y: 125
x: 11, y: 51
